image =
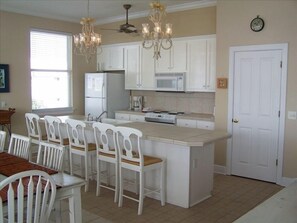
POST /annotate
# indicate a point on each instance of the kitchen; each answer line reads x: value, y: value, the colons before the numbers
x: 231, y: 27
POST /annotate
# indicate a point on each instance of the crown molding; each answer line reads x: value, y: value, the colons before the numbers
x: 169, y: 9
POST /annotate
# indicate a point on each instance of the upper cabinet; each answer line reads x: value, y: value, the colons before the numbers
x: 174, y: 59
x: 201, y: 65
x: 196, y: 56
x: 139, y: 68
x: 111, y: 58
x: 132, y: 66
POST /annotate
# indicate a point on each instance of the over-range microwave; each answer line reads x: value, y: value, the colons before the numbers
x: 170, y: 82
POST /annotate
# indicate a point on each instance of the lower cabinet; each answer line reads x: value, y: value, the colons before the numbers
x: 129, y: 117
x: 190, y: 123
x: 122, y: 116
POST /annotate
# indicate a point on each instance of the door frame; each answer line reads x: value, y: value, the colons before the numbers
x: 284, y: 48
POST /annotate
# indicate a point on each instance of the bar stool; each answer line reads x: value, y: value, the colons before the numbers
x: 78, y: 145
x: 131, y: 157
x: 105, y: 137
x: 53, y: 127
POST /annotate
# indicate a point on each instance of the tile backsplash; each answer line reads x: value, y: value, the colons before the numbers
x: 184, y: 102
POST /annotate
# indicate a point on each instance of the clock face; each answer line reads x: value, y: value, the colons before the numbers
x: 257, y: 24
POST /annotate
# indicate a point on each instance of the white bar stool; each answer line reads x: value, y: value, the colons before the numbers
x: 132, y: 158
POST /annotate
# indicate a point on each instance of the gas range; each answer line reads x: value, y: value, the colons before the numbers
x: 162, y: 116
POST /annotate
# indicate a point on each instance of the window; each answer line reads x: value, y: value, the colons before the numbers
x: 51, y: 71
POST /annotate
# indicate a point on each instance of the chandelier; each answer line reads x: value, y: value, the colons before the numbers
x: 157, y: 38
x: 87, y: 41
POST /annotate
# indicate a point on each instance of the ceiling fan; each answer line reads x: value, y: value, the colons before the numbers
x: 126, y: 28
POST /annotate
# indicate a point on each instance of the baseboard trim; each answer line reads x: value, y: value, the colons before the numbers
x: 220, y: 169
x: 286, y: 181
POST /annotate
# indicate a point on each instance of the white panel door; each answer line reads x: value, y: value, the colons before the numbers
x: 257, y: 81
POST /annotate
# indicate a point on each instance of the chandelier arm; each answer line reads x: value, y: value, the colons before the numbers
x: 163, y: 46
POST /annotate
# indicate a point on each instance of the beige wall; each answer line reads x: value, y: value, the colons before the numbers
x: 15, y: 51
x: 201, y: 21
x: 233, y: 29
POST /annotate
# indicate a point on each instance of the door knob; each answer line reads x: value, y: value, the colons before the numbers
x: 235, y: 120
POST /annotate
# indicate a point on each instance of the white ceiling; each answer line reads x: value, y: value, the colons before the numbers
x: 103, y: 11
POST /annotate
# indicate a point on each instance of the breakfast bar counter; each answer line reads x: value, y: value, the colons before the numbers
x: 189, y: 156
x: 177, y: 135
x: 188, y: 153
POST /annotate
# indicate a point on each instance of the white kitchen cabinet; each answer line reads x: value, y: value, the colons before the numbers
x: 205, y: 125
x: 190, y: 123
x: 137, y: 118
x: 132, y: 66
x: 122, y: 116
x: 111, y: 58
x: 186, y: 123
x: 139, y: 68
x: 174, y: 59
x: 147, y: 69
x: 201, y: 65
x: 129, y: 117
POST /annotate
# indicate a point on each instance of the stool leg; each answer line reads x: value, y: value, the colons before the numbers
x: 86, y: 173
x: 116, y: 195
x: 121, y: 187
x: 141, y: 192
x: 162, y: 184
x: 98, y: 178
x: 70, y: 162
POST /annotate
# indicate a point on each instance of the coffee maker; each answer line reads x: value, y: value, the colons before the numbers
x: 137, y: 103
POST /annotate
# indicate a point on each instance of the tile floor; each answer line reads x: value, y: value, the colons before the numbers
x: 232, y: 197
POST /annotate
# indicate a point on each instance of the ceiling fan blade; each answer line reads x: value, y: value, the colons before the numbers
x: 109, y: 29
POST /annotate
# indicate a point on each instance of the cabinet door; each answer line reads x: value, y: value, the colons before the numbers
x: 132, y: 55
x: 111, y: 58
x: 186, y: 123
x: 122, y: 116
x: 211, y: 65
x: 205, y: 125
x: 147, y: 70
x: 178, y: 58
x: 197, y: 62
x: 137, y: 118
x: 163, y: 63
x: 174, y: 59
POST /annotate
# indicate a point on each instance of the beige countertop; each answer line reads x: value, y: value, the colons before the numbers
x: 169, y: 133
x: 193, y: 116
x: 178, y: 135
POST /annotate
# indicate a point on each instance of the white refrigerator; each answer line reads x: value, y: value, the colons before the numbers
x: 105, y: 92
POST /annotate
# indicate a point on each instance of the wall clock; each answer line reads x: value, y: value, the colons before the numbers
x: 257, y: 24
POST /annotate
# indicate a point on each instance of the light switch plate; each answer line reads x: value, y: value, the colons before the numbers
x: 292, y: 115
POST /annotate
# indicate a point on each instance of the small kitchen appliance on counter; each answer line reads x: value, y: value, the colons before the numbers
x: 137, y: 103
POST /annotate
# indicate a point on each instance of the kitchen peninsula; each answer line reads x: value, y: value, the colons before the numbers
x: 189, y: 155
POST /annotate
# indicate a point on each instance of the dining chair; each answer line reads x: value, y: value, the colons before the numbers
x: 50, y: 155
x: 19, y: 145
x: 105, y: 138
x: 27, y: 197
x: 79, y: 146
x: 2, y: 140
x: 33, y: 128
x: 53, y: 127
x: 131, y: 157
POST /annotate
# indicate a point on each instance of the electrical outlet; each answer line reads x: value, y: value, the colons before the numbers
x: 292, y: 115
